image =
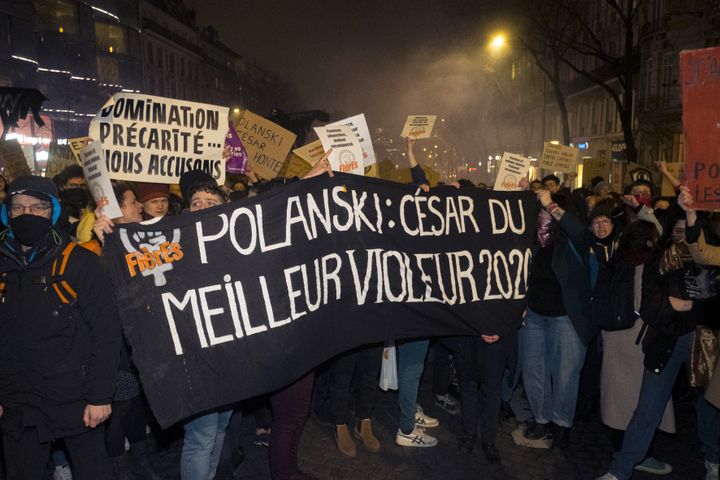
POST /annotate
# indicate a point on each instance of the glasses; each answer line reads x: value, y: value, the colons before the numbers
x: 35, y: 209
x: 600, y: 223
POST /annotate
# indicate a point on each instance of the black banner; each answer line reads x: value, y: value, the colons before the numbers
x: 242, y: 299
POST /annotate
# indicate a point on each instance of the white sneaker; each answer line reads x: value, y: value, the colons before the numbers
x: 418, y: 438
x: 423, y: 420
x: 62, y: 472
x: 711, y: 471
x: 607, y: 476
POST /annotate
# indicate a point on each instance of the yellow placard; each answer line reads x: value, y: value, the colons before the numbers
x: 310, y: 153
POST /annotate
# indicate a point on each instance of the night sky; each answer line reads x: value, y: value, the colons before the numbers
x: 386, y: 59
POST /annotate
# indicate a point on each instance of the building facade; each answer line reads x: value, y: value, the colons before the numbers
x: 78, y: 53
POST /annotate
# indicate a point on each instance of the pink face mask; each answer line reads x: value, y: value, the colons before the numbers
x: 644, y: 200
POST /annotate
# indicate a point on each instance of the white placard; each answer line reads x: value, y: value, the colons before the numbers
x: 157, y: 139
x: 512, y: 168
x: 347, y: 154
x: 98, y: 179
x: 362, y: 132
x: 418, y: 126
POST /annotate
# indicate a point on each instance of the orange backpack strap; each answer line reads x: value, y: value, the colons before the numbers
x: 62, y: 288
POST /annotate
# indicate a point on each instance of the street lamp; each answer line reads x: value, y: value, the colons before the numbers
x: 497, y: 42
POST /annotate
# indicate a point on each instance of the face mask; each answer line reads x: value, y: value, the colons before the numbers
x: 75, y: 196
x: 643, y: 200
x: 29, y: 229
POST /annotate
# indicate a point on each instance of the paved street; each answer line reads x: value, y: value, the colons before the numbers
x: 587, y: 457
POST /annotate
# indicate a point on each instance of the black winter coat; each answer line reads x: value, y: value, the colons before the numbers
x: 55, y: 357
x: 665, y: 325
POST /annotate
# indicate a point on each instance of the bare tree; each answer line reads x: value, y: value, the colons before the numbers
x: 545, y: 23
x: 614, y: 45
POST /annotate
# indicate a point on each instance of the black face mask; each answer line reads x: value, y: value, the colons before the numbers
x: 29, y: 229
x: 76, y: 196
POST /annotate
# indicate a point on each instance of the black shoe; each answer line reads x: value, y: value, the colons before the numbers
x: 466, y: 443
x: 537, y: 431
x: 491, y: 453
x: 561, y: 437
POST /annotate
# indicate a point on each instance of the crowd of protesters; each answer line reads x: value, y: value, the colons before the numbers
x: 622, y: 292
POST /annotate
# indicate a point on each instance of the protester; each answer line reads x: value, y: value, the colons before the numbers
x: 622, y: 364
x: 557, y: 324
x: 481, y: 364
x: 59, y: 385
x: 154, y: 198
x: 675, y: 299
x: 129, y: 420
x: 411, y: 361
x: 362, y: 364
x: 74, y: 199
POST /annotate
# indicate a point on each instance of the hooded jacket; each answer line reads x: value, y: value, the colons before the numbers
x: 57, y: 353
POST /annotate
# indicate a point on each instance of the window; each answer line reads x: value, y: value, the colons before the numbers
x: 58, y: 15
x: 111, y: 38
x: 150, y: 51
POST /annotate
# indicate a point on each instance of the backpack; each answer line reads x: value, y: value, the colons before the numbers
x: 613, y: 299
x: 63, y: 289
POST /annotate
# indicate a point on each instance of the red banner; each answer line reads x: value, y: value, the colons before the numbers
x: 700, y: 80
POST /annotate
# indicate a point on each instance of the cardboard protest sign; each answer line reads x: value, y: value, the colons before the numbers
x: 346, y: 155
x: 236, y: 301
x: 59, y: 158
x: 512, y: 168
x: 267, y: 144
x: 311, y: 153
x: 16, y: 165
x: 234, y: 153
x: 700, y: 82
x: 98, y: 180
x: 77, y: 144
x: 362, y: 132
x: 559, y: 158
x: 596, y: 167
x: 157, y: 139
x: 418, y: 126
x: 295, y: 166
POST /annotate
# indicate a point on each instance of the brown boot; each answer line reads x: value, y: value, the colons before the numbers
x: 366, y: 436
x: 345, y: 443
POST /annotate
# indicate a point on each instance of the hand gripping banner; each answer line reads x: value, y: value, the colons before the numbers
x: 242, y: 299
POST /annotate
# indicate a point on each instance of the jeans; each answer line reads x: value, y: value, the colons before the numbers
x: 202, y: 445
x: 654, y: 395
x: 708, y: 427
x: 410, y: 366
x: 551, y: 359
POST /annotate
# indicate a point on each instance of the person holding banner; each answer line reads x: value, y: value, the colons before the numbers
x: 59, y: 339
x: 411, y: 360
x: 557, y: 325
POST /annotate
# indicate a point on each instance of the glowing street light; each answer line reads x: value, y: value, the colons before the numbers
x: 498, y: 42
